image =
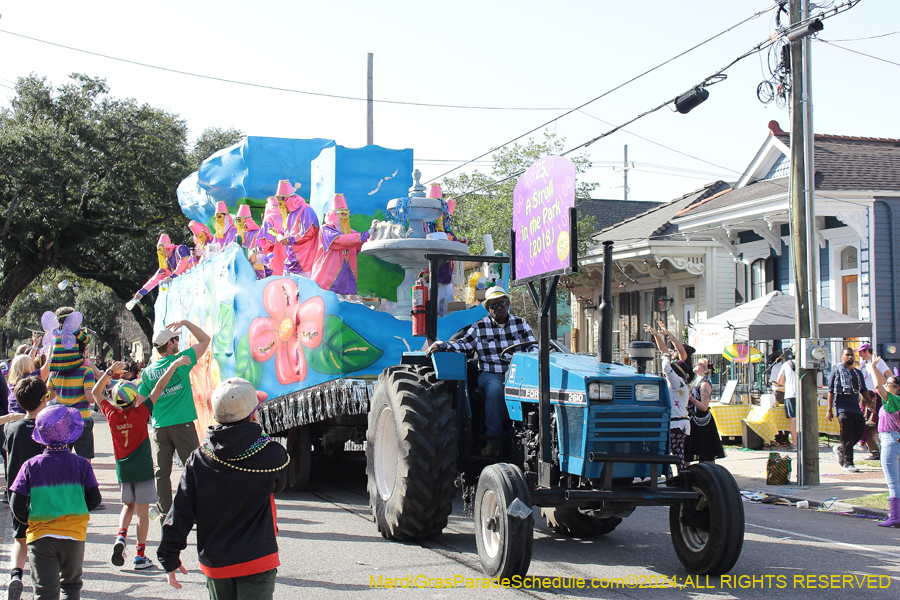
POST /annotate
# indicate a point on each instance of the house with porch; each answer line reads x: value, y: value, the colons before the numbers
x: 726, y: 244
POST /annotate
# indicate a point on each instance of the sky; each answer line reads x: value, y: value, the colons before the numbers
x: 483, y: 53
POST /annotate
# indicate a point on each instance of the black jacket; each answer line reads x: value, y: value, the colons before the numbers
x: 234, y: 509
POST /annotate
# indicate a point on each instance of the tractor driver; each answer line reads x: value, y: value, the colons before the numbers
x: 488, y: 337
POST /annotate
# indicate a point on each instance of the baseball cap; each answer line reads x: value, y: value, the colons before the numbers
x: 162, y: 337
x: 233, y: 400
x: 124, y: 393
x: 865, y: 346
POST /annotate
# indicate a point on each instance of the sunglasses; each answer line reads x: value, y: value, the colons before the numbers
x: 496, y: 305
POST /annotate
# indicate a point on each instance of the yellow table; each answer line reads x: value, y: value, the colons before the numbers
x: 766, y: 422
x: 728, y: 417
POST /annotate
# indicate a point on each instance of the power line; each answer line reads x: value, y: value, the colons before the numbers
x: 716, y: 77
x: 871, y: 37
x: 274, y: 88
x: 606, y: 93
x: 662, y: 145
x: 860, y: 53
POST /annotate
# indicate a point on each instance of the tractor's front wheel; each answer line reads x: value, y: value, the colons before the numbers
x: 708, y: 534
x: 411, y: 453
x: 504, y: 521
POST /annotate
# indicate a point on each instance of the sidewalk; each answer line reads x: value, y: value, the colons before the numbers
x: 749, y: 470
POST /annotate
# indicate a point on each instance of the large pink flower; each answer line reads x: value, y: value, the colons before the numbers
x: 288, y: 326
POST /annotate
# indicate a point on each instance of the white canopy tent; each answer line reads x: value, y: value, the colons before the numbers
x: 771, y: 317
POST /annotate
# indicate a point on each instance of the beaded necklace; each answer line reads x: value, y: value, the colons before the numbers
x: 57, y: 449
x: 256, y: 447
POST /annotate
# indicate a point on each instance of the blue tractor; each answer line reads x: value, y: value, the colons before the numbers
x: 590, y: 443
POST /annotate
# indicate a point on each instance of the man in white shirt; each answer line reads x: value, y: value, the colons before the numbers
x: 787, y: 377
x: 871, y: 412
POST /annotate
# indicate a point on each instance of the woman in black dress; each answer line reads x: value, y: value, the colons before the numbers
x: 703, y: 444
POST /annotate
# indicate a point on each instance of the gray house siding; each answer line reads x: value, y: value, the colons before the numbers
x: 887, y: 274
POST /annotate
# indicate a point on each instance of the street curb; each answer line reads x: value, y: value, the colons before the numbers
x: 844, y: 507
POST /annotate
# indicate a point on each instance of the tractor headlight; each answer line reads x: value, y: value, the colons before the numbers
x: 600, y: 391
x: 646, y: 392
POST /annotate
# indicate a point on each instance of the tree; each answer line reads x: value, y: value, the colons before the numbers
x: 88, y: 184
x: 485, y: 204
x: 211, y: 141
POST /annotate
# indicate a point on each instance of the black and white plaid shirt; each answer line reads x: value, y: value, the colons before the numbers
x: 487, y: 338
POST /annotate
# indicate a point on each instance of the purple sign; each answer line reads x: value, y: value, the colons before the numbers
x: 541, y: 203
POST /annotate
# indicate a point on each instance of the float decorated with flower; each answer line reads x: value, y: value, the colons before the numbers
x: 300, y: 296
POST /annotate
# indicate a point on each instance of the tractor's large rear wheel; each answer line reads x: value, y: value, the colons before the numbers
x: 504, y: 521
x: 708, y: 534
x: 411, y: 453
x: 572, y: 522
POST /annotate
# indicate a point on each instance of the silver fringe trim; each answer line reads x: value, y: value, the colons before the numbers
x: 331, y: 399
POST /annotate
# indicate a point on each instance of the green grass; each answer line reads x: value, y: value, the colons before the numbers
x: 868, y: 463
x: 879, y: 501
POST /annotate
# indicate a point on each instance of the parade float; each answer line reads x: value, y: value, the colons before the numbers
x: 312, y: 351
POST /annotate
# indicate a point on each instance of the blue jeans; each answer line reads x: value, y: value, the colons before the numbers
x: 890, y: 461
x: 491, y: 385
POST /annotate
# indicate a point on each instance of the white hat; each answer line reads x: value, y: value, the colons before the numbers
x: 494, y: 293
x: 233, y: 400
x: 162, y: 337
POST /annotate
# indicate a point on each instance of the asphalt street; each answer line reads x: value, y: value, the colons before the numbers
x: 329, y: 548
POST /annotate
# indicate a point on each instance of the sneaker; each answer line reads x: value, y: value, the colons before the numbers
x: 14, y: 589
x: 851, y: 468
x: 118, y: 555
x: 874, y: 456
x: 142, y: 562
x: 838, y: 455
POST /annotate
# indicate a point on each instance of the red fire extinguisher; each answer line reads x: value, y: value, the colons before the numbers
x: 419, y: 300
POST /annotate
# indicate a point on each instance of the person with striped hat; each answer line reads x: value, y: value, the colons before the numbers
x: 128, y: 413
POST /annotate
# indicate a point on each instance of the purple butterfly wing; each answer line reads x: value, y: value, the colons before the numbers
x: 51, y: 329
x: 73, y: 322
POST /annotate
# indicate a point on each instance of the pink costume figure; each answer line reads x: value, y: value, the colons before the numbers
x: 225, y: 229
x: 289, y: 231
x: 202, y: 235
x: 335, y: 267
x: 248, y: 236
x: 173, y: 261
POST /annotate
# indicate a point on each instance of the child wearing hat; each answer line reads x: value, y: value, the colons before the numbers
x: 134, y: 458
x: 54, y: 493
x: 31, y: 396
x: 227, y: 489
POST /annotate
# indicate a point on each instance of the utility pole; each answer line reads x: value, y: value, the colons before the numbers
x: 802, y: 220
x: 625, y: 171
x: 370, y: 112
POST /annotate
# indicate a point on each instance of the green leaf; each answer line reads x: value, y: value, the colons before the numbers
x: 342, y: 350
x: 245, y: 366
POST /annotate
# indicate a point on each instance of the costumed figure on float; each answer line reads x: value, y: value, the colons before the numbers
x: 173, y: 261
x: 225, y: 229
x: 248, y: 234
x: 289, y: 232
x: 202, y: 236
x: 335, y: 266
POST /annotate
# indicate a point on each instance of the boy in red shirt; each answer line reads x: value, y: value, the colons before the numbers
x: 134, y: 459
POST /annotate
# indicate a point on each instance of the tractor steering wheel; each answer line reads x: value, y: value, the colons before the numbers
x: 554, y: 345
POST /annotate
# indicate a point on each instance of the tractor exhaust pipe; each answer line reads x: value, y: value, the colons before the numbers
x: 606, y: 306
